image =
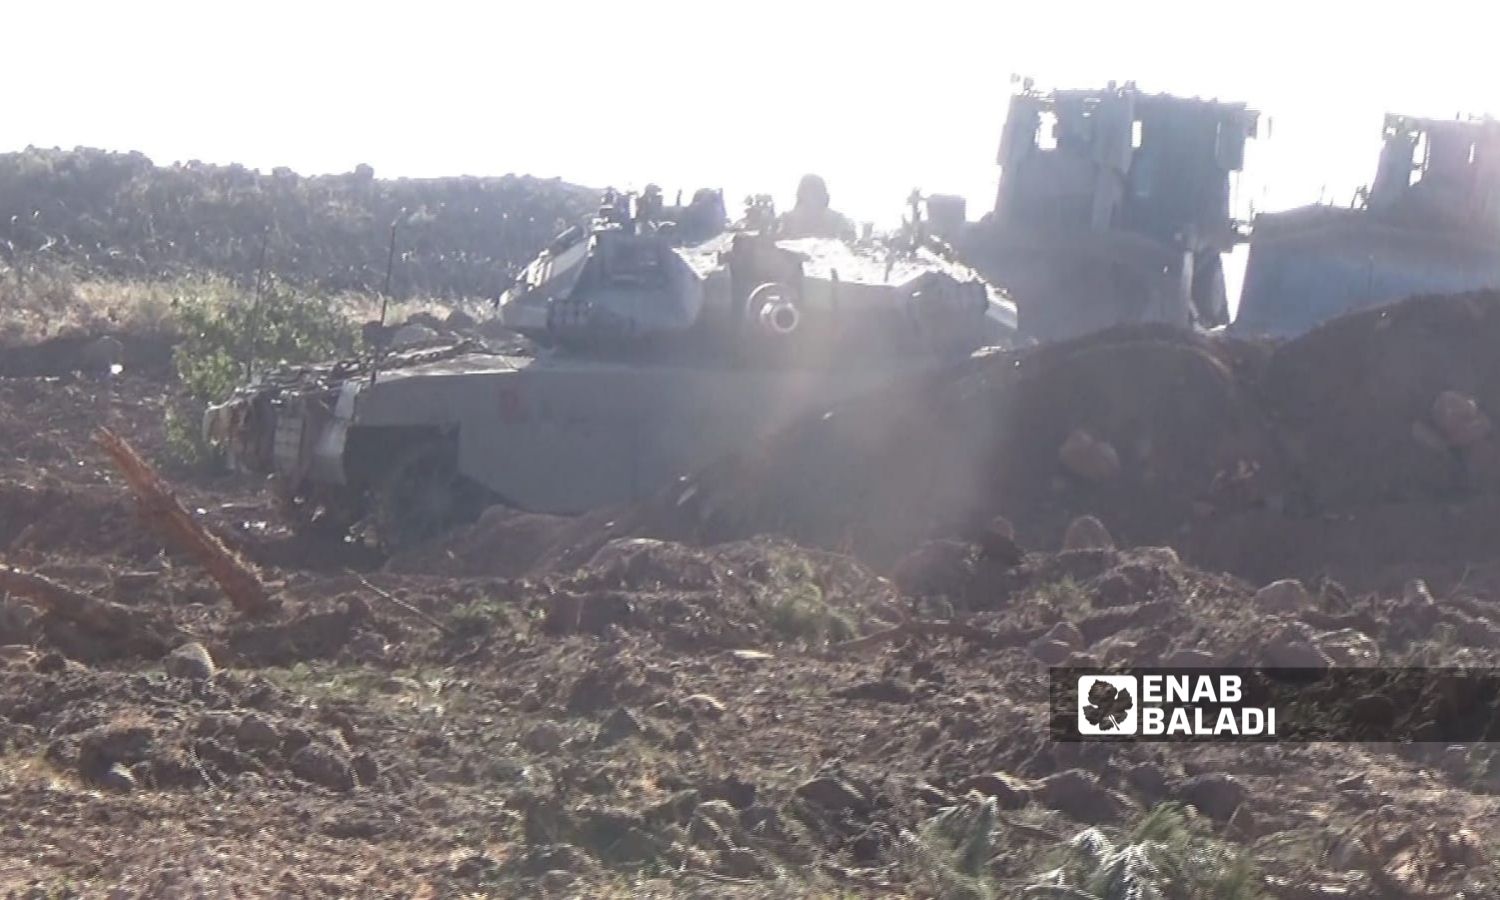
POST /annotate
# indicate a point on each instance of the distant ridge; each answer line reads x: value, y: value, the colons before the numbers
x: 119, y: 215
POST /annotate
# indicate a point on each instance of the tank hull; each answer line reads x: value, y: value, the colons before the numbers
x: 561, y: 435
x: 551, y: 433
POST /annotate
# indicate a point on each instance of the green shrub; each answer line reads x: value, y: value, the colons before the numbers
x: 801, y: 611
x: 795, y: 605
x: 1163, y: 857
x: 228, y: 335
x: 948, y: 855
x: 479, y: 617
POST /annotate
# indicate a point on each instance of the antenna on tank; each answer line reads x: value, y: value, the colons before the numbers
x: 390, y: 264
x: 260, y: 292
x: 385, y: 295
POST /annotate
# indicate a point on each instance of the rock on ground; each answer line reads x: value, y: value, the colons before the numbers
x: 191, y: 660
x: 1087, y: 533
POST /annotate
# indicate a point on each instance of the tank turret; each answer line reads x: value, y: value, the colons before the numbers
x: 629, y: 283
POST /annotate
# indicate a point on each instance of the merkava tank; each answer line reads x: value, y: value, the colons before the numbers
x: 1428, y: 224
x: 657, y: 341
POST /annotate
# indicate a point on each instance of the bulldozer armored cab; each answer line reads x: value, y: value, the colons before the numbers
x: 1113, y: 207
x: 1428, y: 224
x: 658, y: 341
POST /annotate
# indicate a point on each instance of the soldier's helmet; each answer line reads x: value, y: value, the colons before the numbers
x: 812, y: 192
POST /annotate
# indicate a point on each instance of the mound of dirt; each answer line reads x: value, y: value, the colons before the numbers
x: 504, y: 543
x: 743, y: 594
x: 46, y: 424
x: 1353, y: 401
x: 147, y: 354
x: 56, y: 517
x: 1174, y: 409
x: 159, y: 731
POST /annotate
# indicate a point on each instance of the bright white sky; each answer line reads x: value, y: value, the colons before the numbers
x: 878, y: 97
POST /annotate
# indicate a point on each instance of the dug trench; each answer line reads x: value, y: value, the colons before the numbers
x: 740, y: 688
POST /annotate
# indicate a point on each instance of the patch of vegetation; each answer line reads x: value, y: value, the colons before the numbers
x: 1064, y: 594
x: 43, y: 302
x: 801, y: 612
x: 1162, y: 857
x: 229, y: 334
x: 479, y: 617
x: 59, y: 887
x: 1480, y: 772
x: 949, y: 854
x: 1442, y: 647
x: 330, y: 681
x: 796, y: 606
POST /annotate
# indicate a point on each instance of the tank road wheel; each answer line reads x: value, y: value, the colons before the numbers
x: 422, y: 495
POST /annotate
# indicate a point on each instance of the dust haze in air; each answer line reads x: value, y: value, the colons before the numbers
x: 879, y: 99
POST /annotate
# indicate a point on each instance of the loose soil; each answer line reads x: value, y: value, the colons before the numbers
x: 665, y: 700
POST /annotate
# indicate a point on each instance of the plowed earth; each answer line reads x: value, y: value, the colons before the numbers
x: 664, y: 701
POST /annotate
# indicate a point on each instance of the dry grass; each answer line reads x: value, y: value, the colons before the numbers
x: 42, y: 305
x: 46, y: 303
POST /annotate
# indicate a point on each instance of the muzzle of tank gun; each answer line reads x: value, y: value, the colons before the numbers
x: 777, y: 315
x: 780, y: 318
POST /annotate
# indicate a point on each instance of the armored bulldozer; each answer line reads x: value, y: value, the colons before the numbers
x: 657, y: 340
x: 1429, y: 223
x: 1113, y: 208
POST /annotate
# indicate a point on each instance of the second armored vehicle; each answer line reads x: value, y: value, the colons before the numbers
x: 1114, y: 207
x: 1428, y: 224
